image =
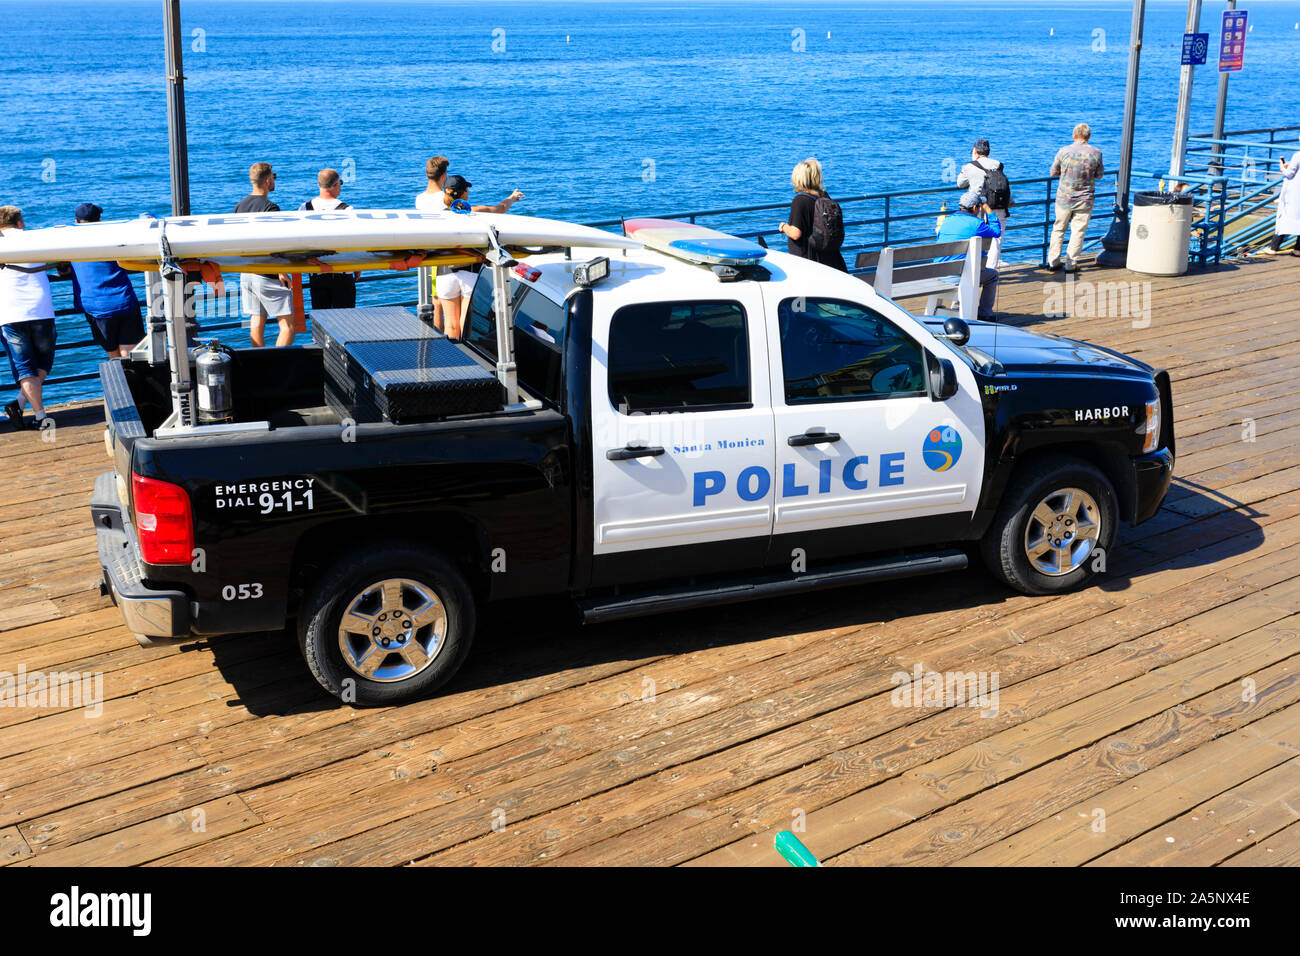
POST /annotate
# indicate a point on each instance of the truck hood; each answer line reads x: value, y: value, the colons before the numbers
x: 1020, y: 351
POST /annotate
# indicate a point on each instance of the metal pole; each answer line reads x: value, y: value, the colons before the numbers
x: 1220, y: 108
x: 424, y: 283
x: 157, y: 325
x: 176, y: 138
x: 505, y: 332
x: 1178, y: 160
x: 1115, y: 243
x: 178, y: 348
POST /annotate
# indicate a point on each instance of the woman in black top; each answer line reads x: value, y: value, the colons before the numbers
x: 807, y: 182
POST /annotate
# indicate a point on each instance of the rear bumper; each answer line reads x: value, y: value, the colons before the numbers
x: 148, y: 612
x: 1152, y: 474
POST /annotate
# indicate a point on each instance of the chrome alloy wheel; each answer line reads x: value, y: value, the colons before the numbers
x: 392, y: 630
x: 1062, y: 531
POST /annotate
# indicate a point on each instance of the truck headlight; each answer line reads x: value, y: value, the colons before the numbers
x: 1151, y: 427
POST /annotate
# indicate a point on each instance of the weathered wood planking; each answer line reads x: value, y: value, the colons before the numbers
x: 665, y: 742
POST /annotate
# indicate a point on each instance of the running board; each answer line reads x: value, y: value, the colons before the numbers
x: 619, y: 607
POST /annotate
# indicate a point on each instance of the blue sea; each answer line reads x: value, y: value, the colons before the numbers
x: 593, y: 109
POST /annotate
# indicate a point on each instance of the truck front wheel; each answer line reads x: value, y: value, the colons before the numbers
x: 1056, y: 523
x: 388, y: 626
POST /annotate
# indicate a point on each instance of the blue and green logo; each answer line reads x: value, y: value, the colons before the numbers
x: 942, y: 448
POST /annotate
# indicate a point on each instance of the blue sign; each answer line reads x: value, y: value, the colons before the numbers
x: 1195, y: 47
x: 1232, y: 41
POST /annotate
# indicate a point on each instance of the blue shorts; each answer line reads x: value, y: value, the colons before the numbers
x: 117, y: 329
x: 29, y: 347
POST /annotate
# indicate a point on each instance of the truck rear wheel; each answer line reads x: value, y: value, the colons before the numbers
x: 1057, y: 518
x: 388, y: 626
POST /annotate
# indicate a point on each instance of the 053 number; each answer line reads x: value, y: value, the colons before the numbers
x: 241, y: 592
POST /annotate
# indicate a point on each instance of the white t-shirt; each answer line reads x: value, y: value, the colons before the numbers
x: 24, y: 296
x: 429, y: 202
x: 322, y: 204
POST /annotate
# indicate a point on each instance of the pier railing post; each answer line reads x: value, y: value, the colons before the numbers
x: 1047, y: 221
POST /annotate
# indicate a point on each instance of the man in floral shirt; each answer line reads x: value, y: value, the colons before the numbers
x: 1079, y: 167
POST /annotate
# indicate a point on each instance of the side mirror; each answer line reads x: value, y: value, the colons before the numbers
x: 956, y: 331
x: 943, y: 380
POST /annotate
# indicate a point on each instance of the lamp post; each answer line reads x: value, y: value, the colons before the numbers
x: 176, y: 139
x: 1115, y: 243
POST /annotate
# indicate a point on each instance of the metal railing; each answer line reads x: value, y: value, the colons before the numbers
x: 1234, y: 181
x: 908, y: 217
x: 872, y: 221
x: 1231, y: 180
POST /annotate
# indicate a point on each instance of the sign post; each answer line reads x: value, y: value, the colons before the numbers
x: 1227, y: 38
x: 1178, y: 158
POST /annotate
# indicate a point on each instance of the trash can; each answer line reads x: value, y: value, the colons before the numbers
x: 1160, y: 233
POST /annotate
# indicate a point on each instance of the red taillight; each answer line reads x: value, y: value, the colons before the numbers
x: 162, y: 519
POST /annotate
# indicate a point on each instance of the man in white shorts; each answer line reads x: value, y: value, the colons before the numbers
x: 260, y: 296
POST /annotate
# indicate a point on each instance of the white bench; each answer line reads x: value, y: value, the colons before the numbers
x: 903, y: 271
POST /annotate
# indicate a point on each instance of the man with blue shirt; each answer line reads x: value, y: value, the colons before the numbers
x: 103, y: 291
x: 972, y: 219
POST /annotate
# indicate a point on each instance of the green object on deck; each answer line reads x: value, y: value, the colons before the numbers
x: 795, y: 853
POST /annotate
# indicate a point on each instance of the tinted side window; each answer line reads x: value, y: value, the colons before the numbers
x: 539, y: 334
x: 832, y: 350
x: 481, y: 328
x: 539, y: 344
x: 678, y: 355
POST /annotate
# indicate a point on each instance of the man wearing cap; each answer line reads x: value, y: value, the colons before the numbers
x: 104, y: 292
x: 972, y: 219
x: 973, y: 176
x: 456, y: 286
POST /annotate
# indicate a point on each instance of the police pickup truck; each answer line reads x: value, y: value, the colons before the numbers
x: 691, y: 420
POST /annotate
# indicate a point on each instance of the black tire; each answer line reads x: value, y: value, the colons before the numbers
x: 340, y: 585
x: 1004, y: 544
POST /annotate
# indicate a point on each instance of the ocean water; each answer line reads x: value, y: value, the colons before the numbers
x: 593, y: 109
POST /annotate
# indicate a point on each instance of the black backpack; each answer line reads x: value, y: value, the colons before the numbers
x: 997, y: 189
x: 828, y: 226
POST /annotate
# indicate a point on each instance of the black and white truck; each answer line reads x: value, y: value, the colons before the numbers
x: 652, y: 429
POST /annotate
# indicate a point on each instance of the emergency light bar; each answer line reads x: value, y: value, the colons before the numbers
x: 696, y: 244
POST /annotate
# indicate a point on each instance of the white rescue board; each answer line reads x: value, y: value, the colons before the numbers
x: 397, y: 231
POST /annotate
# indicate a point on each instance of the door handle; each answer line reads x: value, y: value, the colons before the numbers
x: 813, y: 438
x: 634, y: 451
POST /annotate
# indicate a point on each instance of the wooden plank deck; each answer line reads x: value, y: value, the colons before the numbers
x: 1153, y: 718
